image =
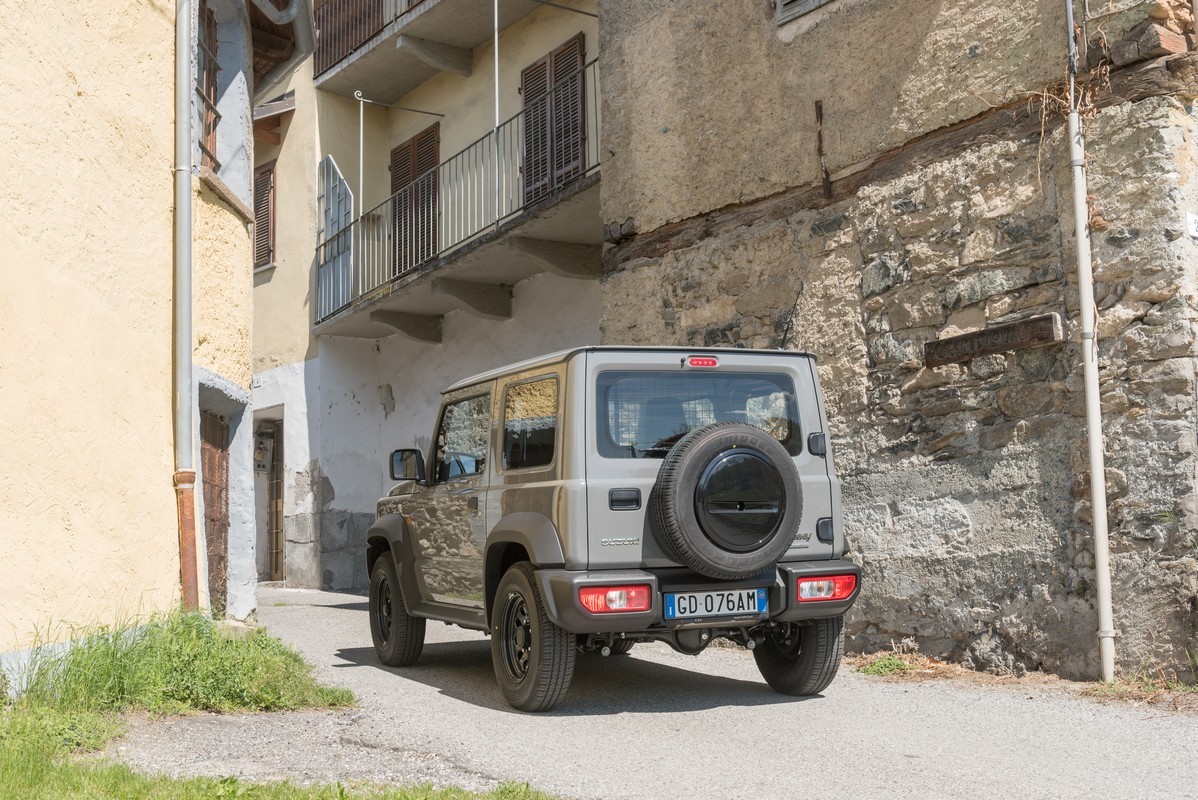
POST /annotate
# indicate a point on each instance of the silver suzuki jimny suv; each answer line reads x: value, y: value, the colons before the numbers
x: 599, y: 497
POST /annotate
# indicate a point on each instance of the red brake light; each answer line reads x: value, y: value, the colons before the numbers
x: 826, y: 587
x: 615, y: 599
x: 702, y: 361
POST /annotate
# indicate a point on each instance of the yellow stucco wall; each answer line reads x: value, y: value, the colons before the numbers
x: 88, y: 531
x: 282, y: 322
x: 222, y: 290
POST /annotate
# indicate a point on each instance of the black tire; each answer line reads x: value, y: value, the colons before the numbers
x: 728, y: 501
x: 801, y: 660
x: 622, y: 647
x: 533, y: 658
x: 398, y: 636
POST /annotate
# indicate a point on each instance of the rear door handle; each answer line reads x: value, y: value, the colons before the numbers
x: 472, y: 503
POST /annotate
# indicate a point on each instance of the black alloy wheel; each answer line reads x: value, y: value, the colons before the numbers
x: 517, y: 638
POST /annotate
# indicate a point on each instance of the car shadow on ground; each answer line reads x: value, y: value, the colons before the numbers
x: 362, y: 606
x: 613, y: 685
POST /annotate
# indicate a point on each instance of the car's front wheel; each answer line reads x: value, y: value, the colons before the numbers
x: 398, y: 636
x: 803, y: 659
x: 533, y: 658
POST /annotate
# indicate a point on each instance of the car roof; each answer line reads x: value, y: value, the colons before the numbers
x: 564, y: 355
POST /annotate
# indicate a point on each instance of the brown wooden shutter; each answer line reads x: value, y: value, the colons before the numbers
x: 554, y: 122
x: 414, y: 199
x: 534, y: 90
x: 567, y: 110
x: 264, y: 215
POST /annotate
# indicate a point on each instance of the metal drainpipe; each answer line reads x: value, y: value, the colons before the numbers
x: 1085, y: 285
x: 185, y: 474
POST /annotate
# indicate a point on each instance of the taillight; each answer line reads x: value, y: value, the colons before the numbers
x: 826, y: 587
x: 702, y: 361
x: 614, y: 599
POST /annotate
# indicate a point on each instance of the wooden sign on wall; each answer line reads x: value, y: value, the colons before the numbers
x: 1033, y: 332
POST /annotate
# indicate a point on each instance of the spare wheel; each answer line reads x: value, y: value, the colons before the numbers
x: 727, y: 501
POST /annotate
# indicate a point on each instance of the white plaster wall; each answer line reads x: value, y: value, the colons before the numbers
x: 351, y: 416
x: 296, y: 389
x: 290, y: 393
x: 358, y: 433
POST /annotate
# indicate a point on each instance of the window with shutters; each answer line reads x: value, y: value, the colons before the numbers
x: 789, y: 9
x: 554, y: 112
x: 414, y: 200
x: 264, y: 215
x: 206, y: 86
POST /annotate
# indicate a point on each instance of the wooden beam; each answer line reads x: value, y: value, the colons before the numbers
x: 437, y: 55
x: 486, y: 300
x: 565, y: 259
x: 269, y: 135
x: 1174, y: 75
x: 269, y: 45
x: 417, y: 327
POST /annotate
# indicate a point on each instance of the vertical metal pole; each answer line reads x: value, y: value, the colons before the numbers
x: 361, y: 146
x: 185, y: 474
x: 495, y: 133
x: 1085, y: 285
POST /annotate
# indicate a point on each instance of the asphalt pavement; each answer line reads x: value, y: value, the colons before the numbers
x: 657, y: 724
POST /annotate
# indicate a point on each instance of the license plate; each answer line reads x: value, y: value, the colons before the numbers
x: 700, y: 605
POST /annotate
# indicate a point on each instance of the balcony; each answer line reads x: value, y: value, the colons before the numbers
x: 386, y: 48
x: 521, y: 200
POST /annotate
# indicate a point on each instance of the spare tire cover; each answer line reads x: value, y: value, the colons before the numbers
x: 727, y: 501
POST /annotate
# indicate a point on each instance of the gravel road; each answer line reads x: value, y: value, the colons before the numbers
x: 657, y: 724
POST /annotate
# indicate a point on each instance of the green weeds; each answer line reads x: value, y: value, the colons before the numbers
x: 885, y: 664
x: 177, y: 664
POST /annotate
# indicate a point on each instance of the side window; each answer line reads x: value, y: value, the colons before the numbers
x: 530, y: 424
x: 462, y: 438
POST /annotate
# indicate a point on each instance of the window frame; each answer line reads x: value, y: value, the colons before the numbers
x: 207, y: 67
x: 435, y: 462
x: 501, y: 466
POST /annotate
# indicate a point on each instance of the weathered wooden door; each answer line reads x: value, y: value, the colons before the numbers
x: 274, y: 495
x: 214, y: 471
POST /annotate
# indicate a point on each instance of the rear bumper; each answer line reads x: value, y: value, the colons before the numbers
x: 559, y: 588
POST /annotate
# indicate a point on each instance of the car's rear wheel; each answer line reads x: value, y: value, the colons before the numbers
x: 621, y: 647
x: 533, y: 658
x: 398, y: 636
x: 728, y: 501
x: 803, y: 659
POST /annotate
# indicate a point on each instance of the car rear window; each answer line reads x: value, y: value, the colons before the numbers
x: 644, y: 413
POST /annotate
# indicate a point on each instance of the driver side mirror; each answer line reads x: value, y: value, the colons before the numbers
x: 407, y: 465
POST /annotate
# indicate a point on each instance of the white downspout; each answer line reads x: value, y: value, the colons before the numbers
x: 185, y: 475
x: 495, y: 154
x: 1085, y: 285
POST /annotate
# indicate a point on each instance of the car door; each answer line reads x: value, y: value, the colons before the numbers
x: 450, y: 526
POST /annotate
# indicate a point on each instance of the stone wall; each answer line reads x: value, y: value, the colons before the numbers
x: 965, y: 486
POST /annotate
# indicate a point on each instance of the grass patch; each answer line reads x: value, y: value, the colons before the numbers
x: 884, y: 664
x: 176, y: 664
x: 1150, y: 684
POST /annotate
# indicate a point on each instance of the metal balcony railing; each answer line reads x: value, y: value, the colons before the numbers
x: 345, y: 25
x: 550, y: 144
